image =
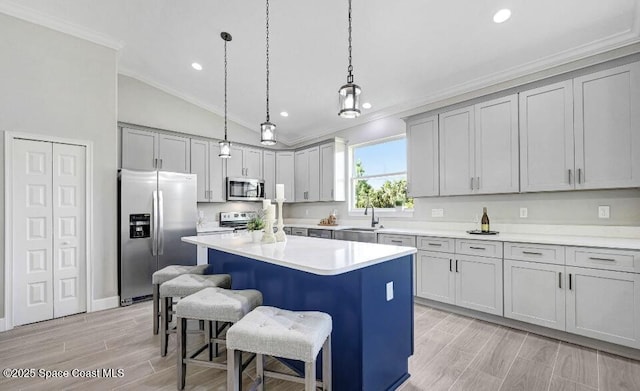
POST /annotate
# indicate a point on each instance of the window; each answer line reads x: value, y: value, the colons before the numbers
x: 379, y: 175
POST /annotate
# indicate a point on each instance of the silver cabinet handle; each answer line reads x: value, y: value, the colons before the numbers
x: 531, y: 253
x: 457, y: 266
x: 477, y: 248
x: 435, y: 244
x: 477, y: 183
x: 569, y: 176
x: 396, y: 241
x: 154, y: 224
x: 580, y: 175
x: 560, y: 280
x: 471, y: 183
x: 602, y: 259
x: 450, y: 267
x: 160, y: 223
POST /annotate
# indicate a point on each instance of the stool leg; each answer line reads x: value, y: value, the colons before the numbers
x: 260, y: 372
x: 164, y: 337
x: 156, y: 305
x: 208, y: 334
x: 233, y: 369
x: 326, y: 364
x: 217, y: 334
x: 310, y: 376
x: 181, y: 351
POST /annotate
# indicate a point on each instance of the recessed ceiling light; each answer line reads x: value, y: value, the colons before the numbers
x: 196, y: 66
x: 284, y: 114
x: 366, y: 105
x: 502, y: 15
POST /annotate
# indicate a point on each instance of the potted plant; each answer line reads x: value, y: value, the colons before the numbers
x: 255, y: 227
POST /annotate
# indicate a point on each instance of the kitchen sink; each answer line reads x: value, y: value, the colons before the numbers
x: 367, y: 235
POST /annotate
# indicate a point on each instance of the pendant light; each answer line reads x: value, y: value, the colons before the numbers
x: 268, y: 129
x: 349, y: 93
x: 225, y: 146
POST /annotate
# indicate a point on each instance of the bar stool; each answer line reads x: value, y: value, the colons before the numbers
x: 285, y: 334
x: 163, y: 275
x: 211, y: 305
x: 179, y: 287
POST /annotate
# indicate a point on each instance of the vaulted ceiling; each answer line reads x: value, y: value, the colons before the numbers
x: 406, y: 53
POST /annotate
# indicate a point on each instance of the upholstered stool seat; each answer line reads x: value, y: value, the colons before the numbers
x: 163, y: 275
x: 179, y: 287
x: 285, y: 334
x: 212, y: 305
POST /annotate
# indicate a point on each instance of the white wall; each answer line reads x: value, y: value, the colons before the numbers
x: 57, y: 85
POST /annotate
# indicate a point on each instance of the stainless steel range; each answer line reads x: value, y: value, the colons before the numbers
x: 236, y: 220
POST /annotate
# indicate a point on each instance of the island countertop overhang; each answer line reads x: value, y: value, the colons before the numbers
x: 312, y: 255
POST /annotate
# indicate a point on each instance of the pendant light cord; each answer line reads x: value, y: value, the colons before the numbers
x: 225, y: 90
x: 350, y: 68
x: 267, y: 60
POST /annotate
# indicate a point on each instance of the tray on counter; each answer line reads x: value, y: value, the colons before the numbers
x: 478, y: 232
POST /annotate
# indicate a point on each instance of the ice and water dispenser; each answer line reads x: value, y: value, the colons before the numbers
x: 139, y: 226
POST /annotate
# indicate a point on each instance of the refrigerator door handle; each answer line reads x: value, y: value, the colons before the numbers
x: 154, y: 224
x: 160, y: 223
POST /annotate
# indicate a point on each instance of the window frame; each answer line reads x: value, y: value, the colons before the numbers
x: 386, y: 212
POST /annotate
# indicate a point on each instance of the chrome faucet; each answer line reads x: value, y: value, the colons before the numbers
x: 374, y: 221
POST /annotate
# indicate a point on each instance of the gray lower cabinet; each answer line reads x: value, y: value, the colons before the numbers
x: 299, y: 231
x: 479, y: 283
x: 435, y: 278
x: 320, y: 233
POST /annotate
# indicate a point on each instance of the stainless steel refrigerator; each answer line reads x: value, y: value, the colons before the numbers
x: 156, y: 209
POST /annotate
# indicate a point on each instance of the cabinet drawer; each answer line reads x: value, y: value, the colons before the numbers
x: 298, y: 231
x: 435, y: 244
x: 483, y: 248
x: 531, y: 252
x: 397, y: 240
x: 601, y: 258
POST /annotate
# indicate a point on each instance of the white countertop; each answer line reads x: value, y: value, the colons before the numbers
x: 557, y: 239
x: 313, y: 255
x: 212, y: 228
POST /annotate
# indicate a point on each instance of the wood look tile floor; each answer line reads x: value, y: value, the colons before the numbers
x: 452, y: 352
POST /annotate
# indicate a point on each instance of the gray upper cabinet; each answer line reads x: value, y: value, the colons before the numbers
x: 235, y: 167
x: 244, y: 162
x: 209, y: 169
x: 457, y: 139
x: 145, y: 150
x: 546, y: 138
x: 332, y: 171
x: 285, y: 173
x: 607, y: 117
x: 422, y: 157
x: 307, y: 175
x: 269, y: 170
x: 253, y: 163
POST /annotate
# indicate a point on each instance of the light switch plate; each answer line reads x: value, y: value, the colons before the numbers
x: 437, y: 212
x: 389, y: 290
x: 524, y: 213
x: 604, y: 211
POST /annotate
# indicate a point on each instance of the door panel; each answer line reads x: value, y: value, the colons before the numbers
x: 327, y: 170
x: 301, y: 168
x: 235, y: 168
x: 422, y: 152
x: 534, y: 293
x: 285, y: 173
x: 139, y: 149
x: 435, y: 276
x: 174, y: 153
x: 33, y: 283
x: 314, y: 174
x: 217, y: 184
x: 253, y: 163
x: 200, y: 167
x: 269, y: 169
x: 69, y: 229
x: 457, y: 154
x: 479, y: 283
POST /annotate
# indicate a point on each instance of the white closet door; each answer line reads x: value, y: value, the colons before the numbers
x: 69, y: 231
x: 32, y: 235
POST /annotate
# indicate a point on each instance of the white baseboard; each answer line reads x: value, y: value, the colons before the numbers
x: 105, y: 304
x: 2, y: 325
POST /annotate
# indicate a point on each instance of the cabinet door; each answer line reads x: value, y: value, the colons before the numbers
x: 269, y: 170
x: 534, y: 293
x: 327, y: 168
x: 174, y: 152
x: 200, y: 167
x: 139, y: 149
x: 217, y: 180
x: 253, y: 163
x: 497, y: 164
x: 285, y: 173
x: 604, y: 305
x: 479, y: 283
x: 313, y: 190
x: 235, y: 167
x: 607, y: 116
x: 422, y: 158
x: 435, y: 278
x: 546, y: 138
x: 457, y: 154
x: 301, y: 168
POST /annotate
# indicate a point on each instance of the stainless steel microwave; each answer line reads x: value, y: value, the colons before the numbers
x: 245, y: 189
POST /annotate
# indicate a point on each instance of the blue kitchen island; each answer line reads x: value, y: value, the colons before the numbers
x: 366, y: 288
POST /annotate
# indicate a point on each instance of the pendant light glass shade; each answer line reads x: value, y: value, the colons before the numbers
x: 225, y: 149
x: 349, y: 95
x: 268, y: 133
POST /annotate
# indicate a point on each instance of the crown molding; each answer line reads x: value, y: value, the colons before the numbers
x: 54, y: 23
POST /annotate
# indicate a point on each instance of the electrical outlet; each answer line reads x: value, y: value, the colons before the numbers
x: 389, y: 290
x: 524, y: 213
x: 437, y: 212
x: 604, y: 211
x: 306, y: 212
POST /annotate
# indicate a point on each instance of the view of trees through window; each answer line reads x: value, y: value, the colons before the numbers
x: 380, y: 175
